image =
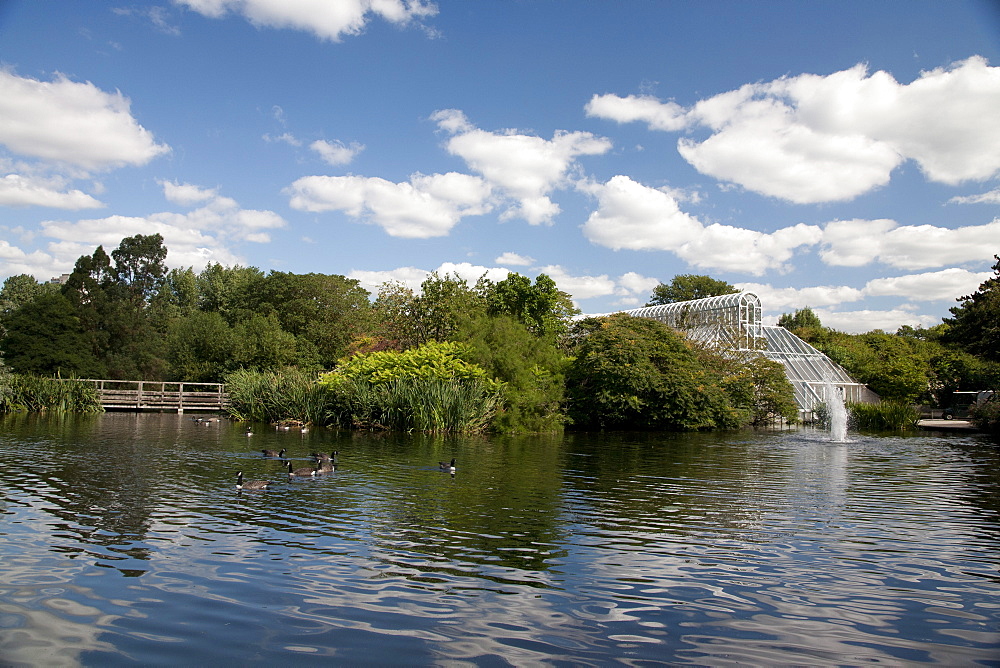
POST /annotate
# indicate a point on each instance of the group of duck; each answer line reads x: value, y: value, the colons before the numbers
x: 323, y: 463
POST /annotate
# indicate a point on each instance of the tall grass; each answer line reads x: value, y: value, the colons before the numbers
x: 886, y: 416
x: 275, y: 396
x: 428, y: 405
x: 23, y: 392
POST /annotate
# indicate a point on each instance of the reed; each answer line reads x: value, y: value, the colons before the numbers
x: 30, y: 393
x: 275, y: 396
x: 428, y: 405
x: 885, y: 416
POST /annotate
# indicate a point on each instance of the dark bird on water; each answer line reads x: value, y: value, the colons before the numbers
x: 323, y: 457
x: 304, y: 472
x: 250, y: 484
x: 446, y: 466
x: 274, y: 453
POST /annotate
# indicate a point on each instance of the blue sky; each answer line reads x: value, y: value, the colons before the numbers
x: 838, y: 155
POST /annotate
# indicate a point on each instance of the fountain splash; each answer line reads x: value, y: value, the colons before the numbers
x: 837, y: 413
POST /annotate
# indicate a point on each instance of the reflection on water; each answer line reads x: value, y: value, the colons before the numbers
x: 123, y: 541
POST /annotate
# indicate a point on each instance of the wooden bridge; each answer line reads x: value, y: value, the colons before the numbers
x: 148, y: 395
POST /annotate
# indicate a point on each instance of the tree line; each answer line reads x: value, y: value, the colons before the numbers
x: 125, y: 315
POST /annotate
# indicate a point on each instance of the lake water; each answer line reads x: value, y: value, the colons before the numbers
x: 124, y: 542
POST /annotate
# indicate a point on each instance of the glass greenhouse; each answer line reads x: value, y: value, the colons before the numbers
x: 734, y: 321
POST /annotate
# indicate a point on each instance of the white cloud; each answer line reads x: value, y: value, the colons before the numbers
x: 77, y: 124
x: 195, y: 238
x: 412, y: 277
x: 524, y: 167
x: 515, y: 259
x: 667, y: 116
x: 335, y: 152
x: 991, y: 197
x: 186, y: 194
x: 426, y: 206
x: 285, y: 137
x: 580, y: 287
x: 813, y: 138
x: 782, y: 299
x: 859, y: 322
x: 330, y: 20
x: 19, y: 190
x: 853, y: 243
x: 638, y: 284
x: 636, y: 217
x: 945, y: 285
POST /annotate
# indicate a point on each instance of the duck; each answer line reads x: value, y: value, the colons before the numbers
x: 323, y: 457
x: 446, y: 466
x: 250, y: 484
x: 304, y: 472
x: 274, y: 453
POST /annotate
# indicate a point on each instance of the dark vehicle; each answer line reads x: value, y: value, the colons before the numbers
x: 961, y: 402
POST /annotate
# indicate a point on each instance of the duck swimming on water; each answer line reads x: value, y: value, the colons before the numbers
x: 447, y: 466
x: 274, y: 453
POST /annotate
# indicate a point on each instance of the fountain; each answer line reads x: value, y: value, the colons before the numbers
x: 836, y: 413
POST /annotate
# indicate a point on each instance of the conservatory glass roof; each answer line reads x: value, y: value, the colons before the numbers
x: 734, y: 321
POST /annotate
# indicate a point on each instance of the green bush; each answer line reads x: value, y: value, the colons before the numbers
x: 986, y: 415
x: 637, y: 373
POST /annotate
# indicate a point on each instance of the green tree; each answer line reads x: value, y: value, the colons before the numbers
x: 685, y: 287
x: 45, y: 337
x: 201, y: 348
x: 232, y: 292
x: 545, y: 309
x: 976, y: 322
x: 531, y: 368
x: 637, y: 373
x: 803, y: 317
x: 326, y: 310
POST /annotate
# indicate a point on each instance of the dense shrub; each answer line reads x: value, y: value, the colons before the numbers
x: 986, y: 415
x: 636, y: 373
x: 429, y: 388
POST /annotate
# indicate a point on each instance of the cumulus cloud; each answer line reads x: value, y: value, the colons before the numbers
x: 186, y: 194
x: 637, y: 284
x: 426, y: 206
x: 515, y: 259
x: 336, y: 152
x: 812, y: 138
x: 21, y: 190
x: 667, y: 116
x: 62, y: 121
x: 853, y: 243
x: 327, y: 20
x: 636, y: 217
x: 580, y: 287
x: 412, y: 277
x: 858, y: 322
x: 944, y: 285
x: 193, y: 238
x: 777, y: 299
x: 523, y: 167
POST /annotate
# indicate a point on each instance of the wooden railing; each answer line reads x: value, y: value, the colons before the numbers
x: 151, y: 395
